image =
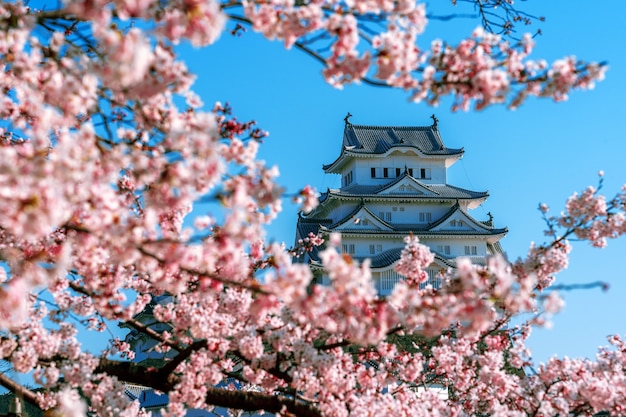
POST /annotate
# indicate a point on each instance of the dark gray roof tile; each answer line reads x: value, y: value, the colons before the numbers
x: 379, y: 139
x: 385, y: 258
x: 376, y: 140
x: 441, y: 191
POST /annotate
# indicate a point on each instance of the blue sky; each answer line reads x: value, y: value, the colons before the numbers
x: 541, y: 152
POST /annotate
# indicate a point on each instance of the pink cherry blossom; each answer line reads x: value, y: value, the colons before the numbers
x: 70, y: 404
x: 101, y: 172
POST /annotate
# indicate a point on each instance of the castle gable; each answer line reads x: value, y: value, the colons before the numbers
x: 408, y: 185
x: 457, y: 220
x: 361, y: 219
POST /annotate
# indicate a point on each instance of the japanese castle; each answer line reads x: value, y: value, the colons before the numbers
x: 394, y: 183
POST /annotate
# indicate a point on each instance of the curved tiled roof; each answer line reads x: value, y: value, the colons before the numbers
x: 439, y: 191
x: 389, y: 257
x: 362, y: 192
x: 306, y: 226
x: 385, y: 258
x: 349, y: 219
x: 379, y: 139
x: 147, y: 397
x: 402, y: 230
x: 486, y: 226
x: 326, y: 225
x: 381, y: 260
x: 403, y: 176
x: 376, y: 140
x: 445, y: 192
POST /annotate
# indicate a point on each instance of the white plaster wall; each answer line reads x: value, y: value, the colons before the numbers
x: 362, y: 169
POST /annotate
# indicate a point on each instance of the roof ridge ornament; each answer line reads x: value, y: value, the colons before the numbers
x: 435, y: 120
x: 347, y: 119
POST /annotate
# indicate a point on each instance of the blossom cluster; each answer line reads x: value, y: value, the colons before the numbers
x: 100, y: 167
x: 483, y: 69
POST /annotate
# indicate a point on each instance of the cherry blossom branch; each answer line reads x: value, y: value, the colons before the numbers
x: 489, y: 17
x: 254, y: 401
x: 274, y: 371
x: 238, y: 400
x: 147, y: 330
x: 19, y: 390
x: 125, y: 163
x: 344, y: 342
x: 253, y: 288
x: 138, y: 374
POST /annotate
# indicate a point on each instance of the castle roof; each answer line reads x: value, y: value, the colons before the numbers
x: 361, y: 140
x: 437, y: 191
x: 400, y: 231
x: 413, y: 190
x: 457, y: 212
x: 357, y: 210
x: 390, y: 257
x: 348, y: 225
x: 148, y: 398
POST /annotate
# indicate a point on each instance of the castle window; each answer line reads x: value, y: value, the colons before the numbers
x: 443, y: 249
x: 425, y: 173
x: 375, y: 249
x: 386, y: 172
x: 397, y: 172
x: 470, y: 250
x: 411, y: 171
x: 373, y: 172
x: 425, y: 217
x: 347, y: 179
x: 453, y: 223
x: 348, y: 248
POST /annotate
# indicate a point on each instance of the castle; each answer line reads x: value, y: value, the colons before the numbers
x: 394, y: 182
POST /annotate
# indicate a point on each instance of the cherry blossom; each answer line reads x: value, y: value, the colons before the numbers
x: 102, y: 168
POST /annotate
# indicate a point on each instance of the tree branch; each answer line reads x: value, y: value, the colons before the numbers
x: 18, y: 389
x: 221, y: 397
x: 253, y: 401
x: 255, y: 289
